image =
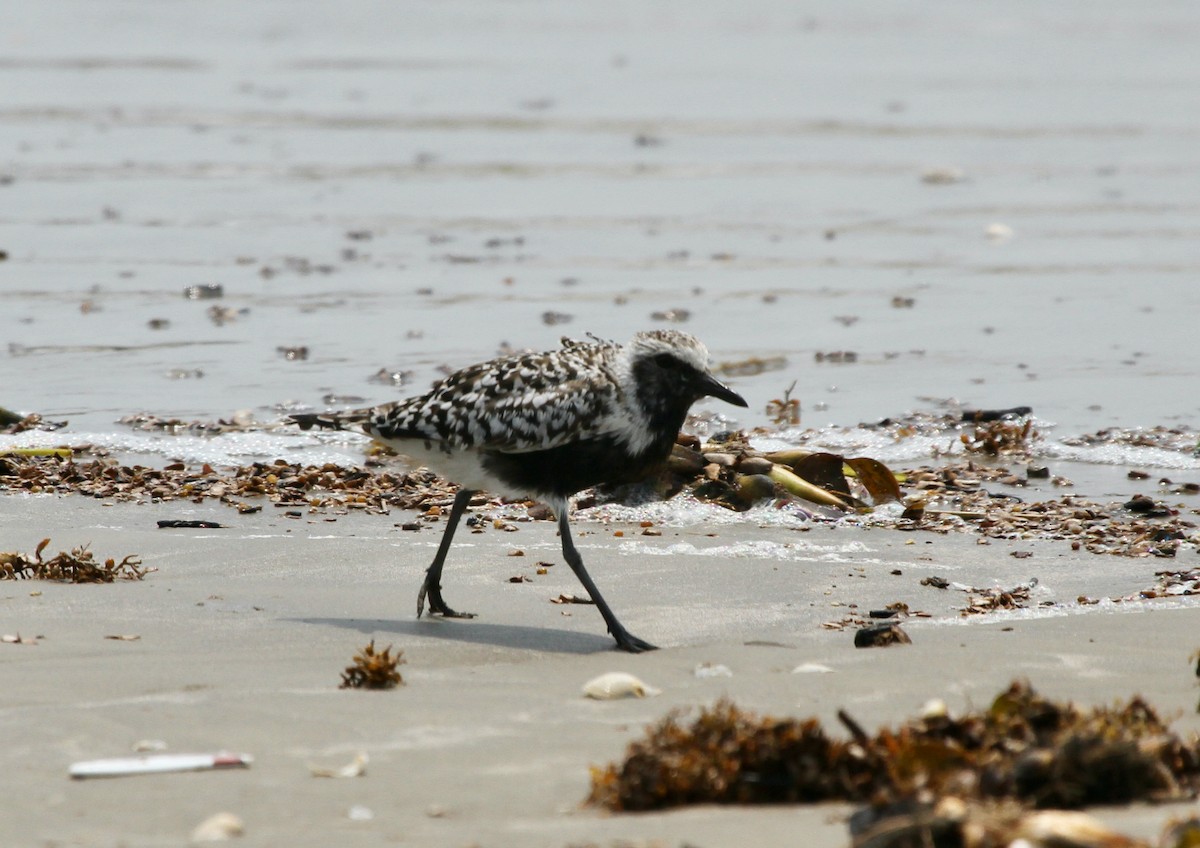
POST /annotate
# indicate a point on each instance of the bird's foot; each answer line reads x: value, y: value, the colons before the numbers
x: 626, y: 641
x: 437, y: 606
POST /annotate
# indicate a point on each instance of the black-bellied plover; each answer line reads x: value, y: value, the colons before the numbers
x: 546, y: 425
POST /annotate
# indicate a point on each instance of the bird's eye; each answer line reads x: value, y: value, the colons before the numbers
x: 666, y: 361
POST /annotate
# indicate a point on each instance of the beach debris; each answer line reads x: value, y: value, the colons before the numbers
x: 355, y: 768
x: 568, y: 598
x: 327, y: 487
x: 552, y: 318
x: 785, y: 411
x: 998, y: 232
x: 986, y: 456
x: 207, y: 291
x: 78, y: 566
x: 1147, y: 506
x: 359, y: 812
x: 293, y: 353
x: 64, y: 453
x: 987, y: 600
x: 977, y: 416
x: 881, y: 636
x: 242, y: 421
x: 951, y: 821
x: 12, y: 423
x: 17, y: 639
x: 617, y: 684
x: 222, y: 315
x: 391, y: 377
x: 373, y: 669
x: 124, y: 637
x: 147, y: 746
x: 672, y: 316
x: 1024, y: 748
x: 1000, y: 436
x: 752, y: 367
x: 219, y: 827
x: 812, y: 668
x: 838, y: 357
x: 188, y: 524
x: 1182, y: 440
x: 706, y: 669
x: 158, y: 763
x: 943, y: 175
x: 1181, y: 833
x: 9, y: 418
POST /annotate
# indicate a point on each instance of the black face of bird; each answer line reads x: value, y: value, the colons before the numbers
x: 682, y: 378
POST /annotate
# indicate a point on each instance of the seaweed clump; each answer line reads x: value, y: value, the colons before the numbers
x: 78, y: 566
x: 373, y: 669
x: 1024, y: 748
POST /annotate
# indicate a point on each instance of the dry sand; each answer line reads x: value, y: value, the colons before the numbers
x: 244, y: 632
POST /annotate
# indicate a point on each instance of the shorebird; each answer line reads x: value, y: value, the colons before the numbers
x: 546, y: 425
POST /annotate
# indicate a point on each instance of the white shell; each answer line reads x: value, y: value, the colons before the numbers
x: 812, y: 668
x: 617, y: 684
x: 149, y: 746
x: 219, y: 827
x: 710, y: 670
x: 935, y: 708
x: 998, y: 232
x: 355, y: 768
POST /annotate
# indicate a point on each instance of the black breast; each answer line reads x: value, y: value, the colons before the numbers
x: 573, y: 467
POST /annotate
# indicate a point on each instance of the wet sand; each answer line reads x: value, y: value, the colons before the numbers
x: 244, y: 632
x: 408, y: 190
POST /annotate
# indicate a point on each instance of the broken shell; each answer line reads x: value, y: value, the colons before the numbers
x: 355, y: 768
x: 998, y: 232
x: 617, y: 684
x: 711, y: 670
x: 754, y: 465
x: 812, y: 668
x: 219, y: 827
x: 935, y: 708
x: 148, y: 746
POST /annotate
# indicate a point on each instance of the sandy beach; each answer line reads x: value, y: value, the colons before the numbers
x: 243, y: 633
x: 984, y: 205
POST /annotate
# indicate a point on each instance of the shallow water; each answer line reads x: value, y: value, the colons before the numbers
x: 412, y: 190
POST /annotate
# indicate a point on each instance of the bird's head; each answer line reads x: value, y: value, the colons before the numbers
x: 673, y: 363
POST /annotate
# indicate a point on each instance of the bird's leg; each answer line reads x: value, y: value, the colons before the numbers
x: 432, y: 587
x: 626, y: 641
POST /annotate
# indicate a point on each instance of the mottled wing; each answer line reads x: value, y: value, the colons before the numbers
x: 516, y: 404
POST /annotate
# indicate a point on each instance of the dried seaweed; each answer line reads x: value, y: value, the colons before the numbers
x: 948, y: 498
x: 1025, y: 748
x: 327, y: 487
x: 78, y: 566
x: 373, y: 669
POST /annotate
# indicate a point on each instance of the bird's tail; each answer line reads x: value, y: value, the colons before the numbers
x: 323, y: 421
